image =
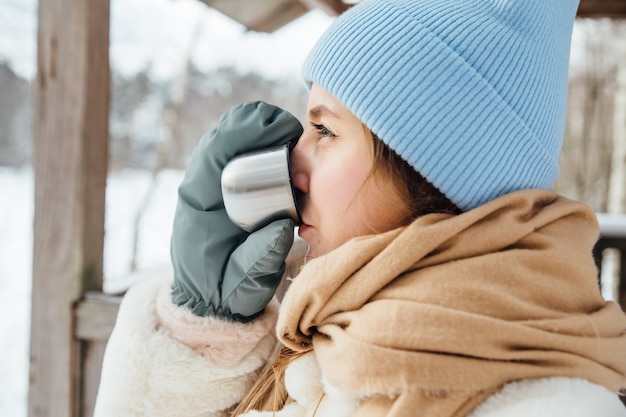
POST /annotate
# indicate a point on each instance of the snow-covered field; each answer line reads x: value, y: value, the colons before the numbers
x: 125, y: 194
x: 16, y: 209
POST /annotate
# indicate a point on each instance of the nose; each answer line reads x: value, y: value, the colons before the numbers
x: 300, y: 166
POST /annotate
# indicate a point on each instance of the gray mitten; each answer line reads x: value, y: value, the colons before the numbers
x: 219, y: 269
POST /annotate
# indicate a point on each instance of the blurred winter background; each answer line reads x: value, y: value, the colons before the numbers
x: 183, y: 57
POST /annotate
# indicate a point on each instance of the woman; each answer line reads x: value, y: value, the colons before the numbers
x: 443, y: 277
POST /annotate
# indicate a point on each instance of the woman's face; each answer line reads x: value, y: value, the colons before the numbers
x: 338, y: 196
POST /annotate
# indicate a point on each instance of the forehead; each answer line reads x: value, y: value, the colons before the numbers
x: 323, y: 104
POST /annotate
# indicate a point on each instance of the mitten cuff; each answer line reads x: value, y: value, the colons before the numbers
x: 225, y: 343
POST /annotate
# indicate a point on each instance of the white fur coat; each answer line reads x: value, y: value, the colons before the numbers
x: 149, y: 371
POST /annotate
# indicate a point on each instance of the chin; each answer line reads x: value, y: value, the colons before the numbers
x: 313, y: 251
x: 317, y: 246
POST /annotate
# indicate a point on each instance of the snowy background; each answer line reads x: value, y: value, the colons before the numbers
x: 16, y: 211
x: 152, y: 34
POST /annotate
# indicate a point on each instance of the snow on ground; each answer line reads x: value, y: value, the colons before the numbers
x: 16, y: 210
x: 125, y: 194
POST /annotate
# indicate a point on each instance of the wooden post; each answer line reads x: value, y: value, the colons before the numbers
x: 602, y: 8
x: 617, y: 189
x: 70, y: 133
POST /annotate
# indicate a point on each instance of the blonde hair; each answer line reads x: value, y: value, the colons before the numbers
x: 415, y: 192
x: 268, y: 392
x: 415, y: 197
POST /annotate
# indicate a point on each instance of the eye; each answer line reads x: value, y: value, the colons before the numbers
x: 322, y: 130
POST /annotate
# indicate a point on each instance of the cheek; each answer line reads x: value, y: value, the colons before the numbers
x: 343, y: 182
x: 336, y: 189
x: 342, y: 188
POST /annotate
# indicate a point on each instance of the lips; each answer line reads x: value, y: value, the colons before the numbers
x: 303, y: 228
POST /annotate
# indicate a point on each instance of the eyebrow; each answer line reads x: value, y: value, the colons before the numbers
x: 320, y: 110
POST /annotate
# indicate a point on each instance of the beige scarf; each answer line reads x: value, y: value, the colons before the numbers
x: 434, y: 317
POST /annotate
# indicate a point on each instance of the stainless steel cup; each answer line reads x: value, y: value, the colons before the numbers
x: 257, y: 188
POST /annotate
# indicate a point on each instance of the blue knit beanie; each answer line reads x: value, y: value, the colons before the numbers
x: 472, y: 93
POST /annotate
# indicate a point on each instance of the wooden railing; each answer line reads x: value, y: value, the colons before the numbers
x: 94, y: 318
x: 613, y: 236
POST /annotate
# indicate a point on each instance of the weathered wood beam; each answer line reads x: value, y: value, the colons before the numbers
x: 95, y: 316
x: 70, y: 133
x: 273, y: 19
x: 260, y: 16
x: 269, y: 15
x: 330, y: 7
x: 602, y: 8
